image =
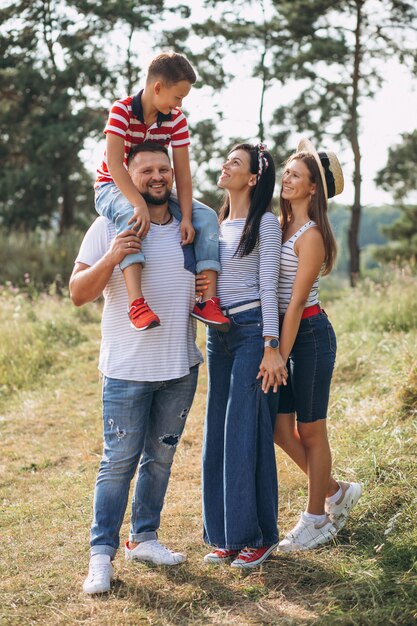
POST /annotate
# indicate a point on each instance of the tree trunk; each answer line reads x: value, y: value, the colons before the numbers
x: 67, y: 212
x: 129, y: 70
x: 353, y: 238
x: 261, y: 127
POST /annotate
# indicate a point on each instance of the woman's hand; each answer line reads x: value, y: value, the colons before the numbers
x: 201, y: 284
x: 125, y: 243
x: 272, y: 370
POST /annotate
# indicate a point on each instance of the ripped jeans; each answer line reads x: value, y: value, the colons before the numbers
x: 143, y: 423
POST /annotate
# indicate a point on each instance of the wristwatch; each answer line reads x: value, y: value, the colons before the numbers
x: 271, y: 343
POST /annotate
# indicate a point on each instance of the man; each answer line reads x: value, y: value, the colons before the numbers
x: 149, y: 379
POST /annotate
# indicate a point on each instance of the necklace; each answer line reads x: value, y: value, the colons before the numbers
x: 162, y: 223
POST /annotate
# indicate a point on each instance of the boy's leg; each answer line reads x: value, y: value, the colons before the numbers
x: 206, y: 248
x: 111, y: 203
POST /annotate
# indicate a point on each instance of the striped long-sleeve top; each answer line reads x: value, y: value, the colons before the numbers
x: 254, y: 276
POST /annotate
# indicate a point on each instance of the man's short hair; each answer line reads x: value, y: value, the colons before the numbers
x: 171, y: 68
x: 147, y: 146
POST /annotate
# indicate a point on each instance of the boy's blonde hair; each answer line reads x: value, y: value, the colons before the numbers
x: 171, y: 68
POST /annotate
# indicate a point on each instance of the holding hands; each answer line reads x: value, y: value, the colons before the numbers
x: 272, y: 370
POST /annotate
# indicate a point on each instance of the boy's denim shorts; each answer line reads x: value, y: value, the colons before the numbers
x: 310, y: 368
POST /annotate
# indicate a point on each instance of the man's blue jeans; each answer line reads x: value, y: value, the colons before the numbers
x: 142, y: 421
x: 111, y: 203
x: 240, y: 491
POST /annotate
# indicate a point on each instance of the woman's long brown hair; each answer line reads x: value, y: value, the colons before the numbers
x: 317, y: 211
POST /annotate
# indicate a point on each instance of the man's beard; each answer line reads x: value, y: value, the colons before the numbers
x: 150, y: 199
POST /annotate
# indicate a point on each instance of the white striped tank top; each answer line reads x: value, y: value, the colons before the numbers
x: 288, y: 271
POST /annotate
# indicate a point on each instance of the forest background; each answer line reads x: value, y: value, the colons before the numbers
x: 268, y: 70
x: 344, y: 74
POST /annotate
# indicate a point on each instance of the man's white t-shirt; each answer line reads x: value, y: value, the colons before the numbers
x: 163, y: 353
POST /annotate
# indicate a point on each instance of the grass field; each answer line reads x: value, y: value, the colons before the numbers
x: 51, y: 445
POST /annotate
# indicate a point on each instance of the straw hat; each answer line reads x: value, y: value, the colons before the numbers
x: 329, y: 166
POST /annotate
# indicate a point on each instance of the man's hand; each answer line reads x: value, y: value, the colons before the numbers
x: 272, y: 370
x: 187, y: 232
x: 141, y: 219
x: 127, y: 242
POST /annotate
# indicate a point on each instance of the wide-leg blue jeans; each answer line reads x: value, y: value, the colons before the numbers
x: 240, y: 490
x: 143, y: 421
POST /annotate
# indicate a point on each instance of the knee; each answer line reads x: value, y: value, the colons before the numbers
x: 312, y: 437
x: 163, y: 450
x: 283, y: 432
x: 122, y: 464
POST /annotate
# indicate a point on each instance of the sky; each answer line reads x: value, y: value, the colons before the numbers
x: 391, y: 112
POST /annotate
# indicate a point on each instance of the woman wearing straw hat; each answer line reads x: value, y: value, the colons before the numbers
x: 308, y: 343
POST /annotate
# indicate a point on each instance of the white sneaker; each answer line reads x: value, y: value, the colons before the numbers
x: 307, y: 535
x: 338, y: 512
x: 100, y: 574
x: 154, y: 552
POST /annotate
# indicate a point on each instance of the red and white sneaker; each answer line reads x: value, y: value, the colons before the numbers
x: 251, y: 557
x: 220, y: 555
x: 210, y: 313
x: 141, y: 316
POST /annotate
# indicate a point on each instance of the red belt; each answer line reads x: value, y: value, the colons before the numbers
x: 310, y: 311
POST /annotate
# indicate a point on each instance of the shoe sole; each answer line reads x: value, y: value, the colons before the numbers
x: 217, y: 561
x: 91, y: 593
x: 258, y: 562
x: 144, y: 560
x: 221, y: 326
x: 293, y: 547
x: 340, y: 522
x: 99, y: 591
x: 151, y: 325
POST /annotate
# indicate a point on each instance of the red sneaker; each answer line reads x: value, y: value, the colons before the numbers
x: 141, y: 316
x: 210, y: 313
x: 221, y: 555
x: 251, y: 557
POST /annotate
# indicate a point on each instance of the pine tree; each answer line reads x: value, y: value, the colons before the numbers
x: 400, y: 177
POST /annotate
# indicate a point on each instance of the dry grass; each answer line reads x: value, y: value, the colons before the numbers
x: 51, y: 445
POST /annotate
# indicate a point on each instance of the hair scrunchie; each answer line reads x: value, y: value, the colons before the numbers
x: 262, y: 160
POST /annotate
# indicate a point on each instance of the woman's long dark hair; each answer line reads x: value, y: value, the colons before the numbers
x: 260, y: 198
x: 317, y: 211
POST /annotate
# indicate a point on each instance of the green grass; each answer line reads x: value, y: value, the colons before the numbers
x: 51, y: 445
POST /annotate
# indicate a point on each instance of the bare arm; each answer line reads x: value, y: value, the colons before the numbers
x: 185, y: 191
x: 310, y: 251
x: 115, y: 160
x: 87, y: 282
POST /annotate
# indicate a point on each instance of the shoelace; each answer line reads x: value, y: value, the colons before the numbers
x: 99, y: 569
x: 247, y: 552
x: 162, y: 549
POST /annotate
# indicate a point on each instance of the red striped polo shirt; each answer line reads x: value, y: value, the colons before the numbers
x: 168, y: 129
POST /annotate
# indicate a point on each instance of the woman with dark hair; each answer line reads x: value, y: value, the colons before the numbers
x: 240, y: 492
x: 308, y: 343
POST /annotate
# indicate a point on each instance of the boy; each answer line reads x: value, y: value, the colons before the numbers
x: 154, y: 115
